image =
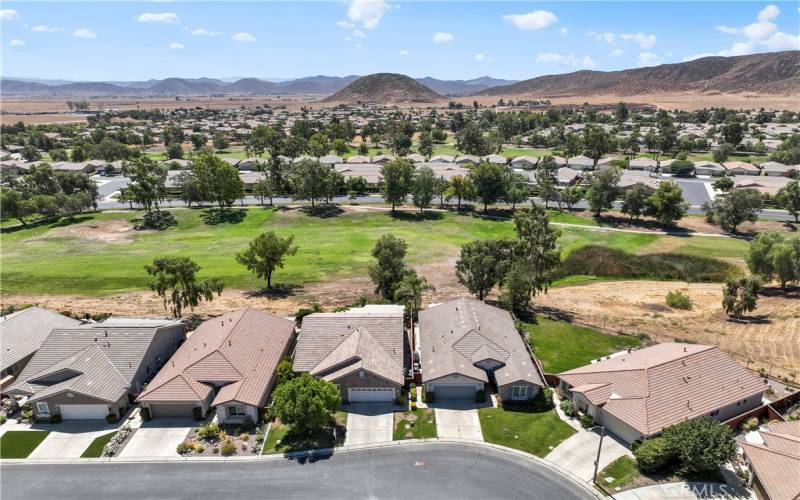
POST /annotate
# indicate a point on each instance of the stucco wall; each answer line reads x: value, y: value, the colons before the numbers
x: 369, y: 380
x: 161, y: 348
x: 119, y: 407
x: 454, y: 379
x: 505, y: 391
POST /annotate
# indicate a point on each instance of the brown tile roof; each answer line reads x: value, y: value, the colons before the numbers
x: 662, y: 385
x: 777, y: 461
x: 239, y: 350
x: 332, y: 345
x: 457, y: 334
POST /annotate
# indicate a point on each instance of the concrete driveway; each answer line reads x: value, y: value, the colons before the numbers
x: 70, y: 438
x: 369, y: 423
x: 577, y: 453
x: 458, y: 419
x: 158, y: 438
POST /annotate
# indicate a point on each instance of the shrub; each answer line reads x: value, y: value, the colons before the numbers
x: 749, y: 424
x: 227, y: 447
x: 568, y: 407
x: 586, y: 421
x: 248, y: 424
x: 635, y: 445
x: 215, y: 450
x: 209, y: 431
x: 413, y: 405
x: 678, y: 300
x: 480, y: 396
x: 198, y: 447
x: 112, y: 418
x: 412, y: 392
x: 702, y: 445
x: 653, y: 455
x: 543, y: 400
x: 145, y: 413
x: 3, y: 419
x: 55, y: 419
x: 244, y: 436
x: 184, y: 448
x: 197, y: 413
x: 115, y: 444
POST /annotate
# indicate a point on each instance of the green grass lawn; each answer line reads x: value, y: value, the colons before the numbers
x: 20, y: 444
x: 417, y: 424
x: 281, y: 440
x: 533, y: 432
x: 618, y: 473
x: 95, y: 450
x: 562, y: 346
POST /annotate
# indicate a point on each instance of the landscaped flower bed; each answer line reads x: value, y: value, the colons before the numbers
x: 211, y: 439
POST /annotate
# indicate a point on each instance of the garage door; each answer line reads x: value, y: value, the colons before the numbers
x: 84, y: 412
x: 166, y: 410
x: 454, y: 392
x: 370, y: 394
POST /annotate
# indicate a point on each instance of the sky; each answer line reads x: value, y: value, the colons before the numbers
x: 125, y: 41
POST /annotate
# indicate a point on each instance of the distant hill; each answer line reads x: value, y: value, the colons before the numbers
x: 462, y: 87
x: 770, y: 73
x: 384, y: 88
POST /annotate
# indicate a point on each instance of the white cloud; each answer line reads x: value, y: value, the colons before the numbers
x: 727, y: 29
x: 359, y: 46
x: 443, y: 37
x: 570, y: 60
x: 176, y: 46
x: 16, y: 42
x: 41, y: 28
x: 564, y: 31
x: 84, y: 33
x: 532, y: 21
x: 648, y: 59
x: 698, y: 56
x: 783, y: 41
x: 760, y: 30
x: 644, y: 41
x: 405, y: 52
x: 481, y: 57
x: 243, y: 37
x: 761, y: 34
x: 9, y: 15
x: 587, y: 62
x: 617, y: 52
x: 769, y: 13
x: 205, y: 32
x: 603, y: 37
x: 158, y: 17
x: 367, y: 13
x: 345, y: 25
x: 358, y: 34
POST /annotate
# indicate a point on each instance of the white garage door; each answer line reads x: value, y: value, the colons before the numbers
x: 369, y: 394
x: 84, y: 412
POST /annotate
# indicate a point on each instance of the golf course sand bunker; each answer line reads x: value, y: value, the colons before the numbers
x: 105, y: 231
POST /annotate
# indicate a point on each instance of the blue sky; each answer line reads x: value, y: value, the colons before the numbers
x: 518, y: 40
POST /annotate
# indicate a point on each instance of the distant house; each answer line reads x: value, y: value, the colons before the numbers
x: 370, y: 172
x: 92, y: 371
x: 637, y: 394
x: 468, y: 159
x: 465, y: 344
x: 441, y: 158
x: 177, y: 164
x: 709, y: 168
x: 447, y: 171
x: 21, y: 335
x: 581, y: 162
x: 646, y: 164
x: 568, y: 176
x: 228, y: 363
x: 415, y: 158
x: 249, y: 164
x: 364, y: 353
x: 381, y: 159
x: 358, y: 159
x: 331, y: 160
x: 303, y: 158
x: 776, y: 169
x: 524, y: 162
x: 774, y: 458
x: 740, y: 168
x: 496, y: 159
x: 605, y: 163
x: 764, y: 184
x: 630, y: 178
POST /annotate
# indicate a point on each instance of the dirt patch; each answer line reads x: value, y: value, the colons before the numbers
x: 105, y: 231
x: 769, y: 340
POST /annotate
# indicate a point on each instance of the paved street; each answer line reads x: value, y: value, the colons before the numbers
x: 432, y: 471
x: 577, y: 454
x: 369, y: 423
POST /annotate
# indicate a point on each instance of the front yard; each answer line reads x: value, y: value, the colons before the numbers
x: 618, y: 474
x: 280, y: 439
x: 95, y: 450
x: 530, y: 431
x: 211, y: 439
x: 415, y: 424
x: 20, y: 444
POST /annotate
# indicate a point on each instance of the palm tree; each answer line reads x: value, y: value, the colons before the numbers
x: 410, y: 289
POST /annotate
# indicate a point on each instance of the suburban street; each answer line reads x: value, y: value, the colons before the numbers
x: 432, y: 470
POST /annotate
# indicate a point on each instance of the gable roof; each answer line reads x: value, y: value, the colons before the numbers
x: 238, y: 351
x: 777, y: 460
x: 332, y: 345
x: 662, y: 385
x: 459, y: 333
x: 22, y: 332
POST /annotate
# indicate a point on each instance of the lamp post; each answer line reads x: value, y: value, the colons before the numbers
x: 599, y: 448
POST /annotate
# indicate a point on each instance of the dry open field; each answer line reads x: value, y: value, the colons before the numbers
x: 770, y: 340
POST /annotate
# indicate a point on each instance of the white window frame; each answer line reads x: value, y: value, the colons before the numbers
x: 236, y: 411
x: 46, y: 411
x: 519, y: 392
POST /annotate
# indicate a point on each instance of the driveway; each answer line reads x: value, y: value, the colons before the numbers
x: 70, y: 438
x: 457, y: 419
x: 158, y: 438
x: 577, y: 454
x: 369, y: 423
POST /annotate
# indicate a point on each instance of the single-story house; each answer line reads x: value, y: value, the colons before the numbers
x: 468, y: 160
x: 646, y: 164
x: 363, y: 352
x: 581, y: 162
x: 776, y: 169
x: 303, y: 158
x: 249, y: 164
x: 524, y: 162
x: 762, y: 183
x: 465, y: 344
x: 773, y: 459
x: 94, y: 370
x: 177, y: 163
x: 568, y: 176
x: 227, y: 363
x: 637, y: 394
x: 381, y: 159
x: 740, y: 168
x: 85, y: 167
x: 442, y: 158
x: 496, y: 159
x: 369, y: 171
x: 447, y: 171
x: 358, y: 159
x: 21, y: 335
x: 605, y: 163
x: 708, y: 168
x: 629, y: 178
x: 331, y: 160
x: 415, y: 158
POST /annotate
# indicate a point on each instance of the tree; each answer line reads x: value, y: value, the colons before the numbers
x: 389, y: 268
x: 596, y: 142
x: 198, y: 141
x: 470, y: 140
x: 398, y: 178
x: 174, y: 151
x: 425, y: 146
x: 682, y: 168
x: 30, y: 153
x: 59, y: 154
x: 410, y: 289
x: 218, y: 180
x: 602, y: 191
x: 147, y: 182
x: 667, y: 204
x: 740, y: 295
x: 538, y: 246
x: 488, y: 179
x: 546, y: 178
x: 309, y: 180
x: 305, y: 403
x: 422, y: 188
x: 516, y: 293
x: 738, y: 206
x: 653, y: 455
x: 460, y: 188
x: 701, y: 445
x: 481, y: 265
x: 340, y: 146
x: 220, y: 142
x: 318, y: 145
x: 266, y: 253
x: 284, y: 371
x: 733, y: 133
x: 13, y: 204
x: 175, y: 280
x: 772, y: 255
x: 515, y: 190
x: 634, y: 201
x: 722, y: 152
x: 572, y: 196
x: 724, y: 184
x: 621, y: 112
x: 190, y: 189
x: 788, y: 198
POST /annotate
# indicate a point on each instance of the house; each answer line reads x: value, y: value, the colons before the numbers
x: 92, y: 371
x: 442, y: 158
x: 646, y: 164
x: 250, y: 164
x: 776, y: 169
x: 580, y: 162
x: 740, y: 168
x: 567, y: 176
x: 637, y: 394
x: 177, y: 164
x: 763, y: 184
x: 465, y: 344
x: 21, y: 335
x: 709, y: 168
x: 468, y: 160
x: 361, y: 351
x: 381, y: 159
x: 605, y: 163
x: 303, y: 158
x: 228, y: 363
x: 331, y: 160
x: 773, y: 459
x: 369, y: 171
x: 358, y: 159
x: 524, y: 162
x: 629, y: 178
x: 415, y: 158
x: 496, y: 159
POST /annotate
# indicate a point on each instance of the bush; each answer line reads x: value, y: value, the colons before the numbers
x: 227, y: 448
x: 248, y: 424
x: 586, y: 421
x: 112, y: 418
x: 184, y: 448
x: 480, y: 396
x: 197, y: 413
x: 156, y: 219
x: 413, y: 405
x: 209, y: 431
x: 412, y: 392
x: 568, y: 407
x: 653, y: 455
x: 543, y: 400
x: 635, y: 445
x: 115, y: 444
x: 702, y: 445
x: 749, y: 424
x: 678, y: 300
x: 3, y: 419
x: 55, y: 419
x: 145, y: 413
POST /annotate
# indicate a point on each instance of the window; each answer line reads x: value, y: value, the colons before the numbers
x: 236, y: 411
x: 42, y: 408
x: 519, y: 391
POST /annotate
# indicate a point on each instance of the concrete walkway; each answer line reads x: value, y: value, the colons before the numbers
x: 685, y: 491
x: 458, y: 420
x: 577, y: 453
x: 369, y: 423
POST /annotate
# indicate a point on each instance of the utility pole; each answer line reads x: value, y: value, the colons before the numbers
x: 599, y: 447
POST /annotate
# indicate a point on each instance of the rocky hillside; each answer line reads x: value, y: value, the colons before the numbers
x: 384, y: 88
x: 771, y: 73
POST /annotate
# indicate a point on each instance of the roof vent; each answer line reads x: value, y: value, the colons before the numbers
x: 684, y: 349
x: 229, y: 343
x: 222, y: 323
